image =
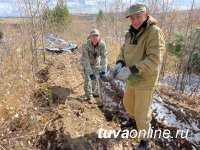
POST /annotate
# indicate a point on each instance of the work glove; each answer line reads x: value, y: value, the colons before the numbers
x: 113, y: 72
x: 117, y: 69
x: 126, y: 71
x: 93, y: 77
x: 102, y: 75
x: 123, y: 73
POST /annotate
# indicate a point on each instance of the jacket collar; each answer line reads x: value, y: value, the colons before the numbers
x: 148, y: 22
x: 136, y: 33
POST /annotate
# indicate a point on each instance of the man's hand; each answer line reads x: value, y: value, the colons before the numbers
x: 124, y: 73
x: 113, y: 72
x: 92, y: 77
x: 117, y: 69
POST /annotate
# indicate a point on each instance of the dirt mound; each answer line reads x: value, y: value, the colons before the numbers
x: 42, y: 76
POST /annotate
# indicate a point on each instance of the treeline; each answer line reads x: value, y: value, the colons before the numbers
x: 59, y: 15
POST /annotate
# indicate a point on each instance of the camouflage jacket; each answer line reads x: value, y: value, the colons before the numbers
x: 94, y: 57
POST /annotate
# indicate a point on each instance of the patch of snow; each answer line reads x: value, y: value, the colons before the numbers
x: 194, y: 125
x: 194, y: 137
x: 120, y: 84
x: 164, y: 115
x: 161, y: 113
x: 192, y: 81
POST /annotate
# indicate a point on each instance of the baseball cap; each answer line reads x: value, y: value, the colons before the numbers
x: 94, y: 31
x: 136, y: 8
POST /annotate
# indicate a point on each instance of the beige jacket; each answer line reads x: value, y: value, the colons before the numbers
x: 146, y: 55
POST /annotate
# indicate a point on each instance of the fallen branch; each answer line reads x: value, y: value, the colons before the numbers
x: 41, y: 133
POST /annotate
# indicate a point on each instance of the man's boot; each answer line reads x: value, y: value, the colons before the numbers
x: 95, y: 95
x: 144, y: 145
x: 129, y: 123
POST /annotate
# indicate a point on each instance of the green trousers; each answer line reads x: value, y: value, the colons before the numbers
x: 90, y: 87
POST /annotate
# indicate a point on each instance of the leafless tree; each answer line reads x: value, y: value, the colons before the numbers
x: 33, y: 27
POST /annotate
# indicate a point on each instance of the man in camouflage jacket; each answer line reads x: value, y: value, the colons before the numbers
x: 94, y: 60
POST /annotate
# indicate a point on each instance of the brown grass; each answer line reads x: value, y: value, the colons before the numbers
x: 170, y: 94
x: 10, y: 20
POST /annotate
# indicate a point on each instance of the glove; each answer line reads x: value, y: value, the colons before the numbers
x: 92, y: 77
x: 101, y: 75
x: 113, y: 72
x: 116, y: 69
x: 124, y: 73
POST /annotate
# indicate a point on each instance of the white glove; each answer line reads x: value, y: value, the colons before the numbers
x: 124, y: 73
x: 113, y: 72
x: 117, y: 69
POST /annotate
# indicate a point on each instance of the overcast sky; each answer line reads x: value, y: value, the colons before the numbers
x: 9, y: 7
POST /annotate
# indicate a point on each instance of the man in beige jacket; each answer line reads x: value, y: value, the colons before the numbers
x: 138, y: 64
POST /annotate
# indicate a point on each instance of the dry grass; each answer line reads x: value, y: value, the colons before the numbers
x: 114, y: 50
x: 16, y: 79
x: 20, y: 120
x: 10, y: 20
x: 169, y: 93
x: 16, y: 83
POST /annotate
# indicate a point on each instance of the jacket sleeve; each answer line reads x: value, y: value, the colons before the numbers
x: 120, y: 58
x: 104, y: 58
x: 85, y: 60
x: 121, y: 54
x: 155, y: 47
